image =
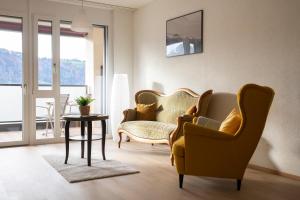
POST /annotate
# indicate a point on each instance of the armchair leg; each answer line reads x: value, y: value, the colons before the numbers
x: 172, y: 159
x: 120, y: 136
x: 180, y: 180
x: 238, y: 184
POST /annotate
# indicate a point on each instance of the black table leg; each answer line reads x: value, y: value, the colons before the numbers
x: 103, y: 124
x: 67, y: 137
x: 82, y: 126
x: 89, y: 143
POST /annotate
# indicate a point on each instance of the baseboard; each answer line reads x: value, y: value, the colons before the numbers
x: 274, y: 171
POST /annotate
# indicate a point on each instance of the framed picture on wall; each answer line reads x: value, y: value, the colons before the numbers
x: 185, y: 34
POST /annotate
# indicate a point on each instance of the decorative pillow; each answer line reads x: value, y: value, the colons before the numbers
x: 146, y: 112
x: 191, y: 111
x: 207, y: 122
x: 232, y: 123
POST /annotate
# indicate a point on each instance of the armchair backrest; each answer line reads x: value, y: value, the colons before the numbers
x: 172, y: 106
x: 254, y: 102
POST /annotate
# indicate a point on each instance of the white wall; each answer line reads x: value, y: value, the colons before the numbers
x: 250, y: 41
x: 123, y: 44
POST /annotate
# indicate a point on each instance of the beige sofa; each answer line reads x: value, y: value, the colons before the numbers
x: 170, y: 115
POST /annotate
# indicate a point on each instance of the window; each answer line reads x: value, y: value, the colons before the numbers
x: 45, y: 55
x: 10, y: 50
x: 72, y: 56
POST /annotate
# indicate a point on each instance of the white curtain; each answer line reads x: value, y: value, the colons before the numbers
x: 119, y: 102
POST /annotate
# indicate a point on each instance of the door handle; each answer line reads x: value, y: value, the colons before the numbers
x: 54, y: 68
x: 101, y: 70
x: 24, y: 88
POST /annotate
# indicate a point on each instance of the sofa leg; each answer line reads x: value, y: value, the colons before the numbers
x: 238, y: 184
x: 120, y: 140
x: 180, y: 180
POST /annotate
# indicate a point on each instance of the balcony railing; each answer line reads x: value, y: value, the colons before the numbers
x: 11, y: 101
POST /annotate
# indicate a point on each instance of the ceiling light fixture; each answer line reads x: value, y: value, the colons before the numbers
x: 80, y: 22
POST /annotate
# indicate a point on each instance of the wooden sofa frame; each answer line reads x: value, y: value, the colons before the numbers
x: 130, y: 115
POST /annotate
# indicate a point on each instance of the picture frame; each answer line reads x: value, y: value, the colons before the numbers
x: 184, y: 34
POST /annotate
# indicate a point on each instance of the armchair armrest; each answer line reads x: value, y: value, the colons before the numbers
x: 178, y: 132
x: 195, y: 131
x: 217, y: 150
x: 129, y: 115
x: 179, y: 129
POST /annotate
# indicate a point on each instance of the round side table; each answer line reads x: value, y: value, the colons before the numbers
x: 89, y: 137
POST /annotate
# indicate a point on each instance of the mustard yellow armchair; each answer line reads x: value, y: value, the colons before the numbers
x: 207, y: 152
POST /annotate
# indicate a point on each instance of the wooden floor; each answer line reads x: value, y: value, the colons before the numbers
x: 25, y: 175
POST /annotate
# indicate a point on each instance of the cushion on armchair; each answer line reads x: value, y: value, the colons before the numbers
x: 207, y: 122
x: 232, y: 122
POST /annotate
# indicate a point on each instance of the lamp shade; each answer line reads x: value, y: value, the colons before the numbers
x: 80, y: 22
x: 119, y: 102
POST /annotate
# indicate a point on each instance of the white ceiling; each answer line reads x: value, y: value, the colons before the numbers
x: 108, y: 4
x: 124, y: 3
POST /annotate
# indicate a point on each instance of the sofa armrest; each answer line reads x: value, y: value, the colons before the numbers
x: 179, y: 129
x: 129, y: 115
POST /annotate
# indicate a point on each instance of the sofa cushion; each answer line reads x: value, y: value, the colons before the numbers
x: 146, y: 111
x: 148, y: 129
x: 178, y: 147
x: 171, y: 106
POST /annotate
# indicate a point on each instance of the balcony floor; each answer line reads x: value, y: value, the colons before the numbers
x: 11, y: 136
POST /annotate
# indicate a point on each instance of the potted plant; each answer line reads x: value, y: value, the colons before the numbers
x: 83, y: 103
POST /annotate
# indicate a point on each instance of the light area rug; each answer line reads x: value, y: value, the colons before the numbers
x: 77, y: 170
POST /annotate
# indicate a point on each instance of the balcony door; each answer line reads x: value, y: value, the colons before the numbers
x: 13, y: 80
x: 46, y: 95
x: 67, y: 65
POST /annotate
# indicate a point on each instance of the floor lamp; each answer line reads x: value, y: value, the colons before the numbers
x: 119, y: 102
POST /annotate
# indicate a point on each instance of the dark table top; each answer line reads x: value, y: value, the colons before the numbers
x: 90, y: 117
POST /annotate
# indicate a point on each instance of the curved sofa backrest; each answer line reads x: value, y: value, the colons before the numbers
x: 172, y: 106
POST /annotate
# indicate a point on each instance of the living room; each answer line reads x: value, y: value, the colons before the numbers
x: 239, y: 74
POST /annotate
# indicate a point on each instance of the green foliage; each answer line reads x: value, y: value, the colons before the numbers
x: 84, y: 101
